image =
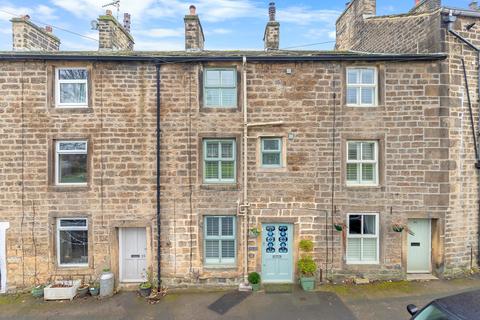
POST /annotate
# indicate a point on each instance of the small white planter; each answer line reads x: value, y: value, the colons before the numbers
x: 67, y: 293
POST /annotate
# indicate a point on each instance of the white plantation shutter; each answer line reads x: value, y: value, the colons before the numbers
x: 220, y: 241
x: 354, y: 249
x: 362, y: 244
x: 369, y: 249
x: 220, y: 88
x: 362, y: 163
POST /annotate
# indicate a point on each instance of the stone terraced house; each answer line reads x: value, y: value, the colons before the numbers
x: 256, y: 151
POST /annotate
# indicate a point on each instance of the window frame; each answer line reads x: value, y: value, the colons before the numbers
x: 76, y: 228
x: 220, y: 238
x: 58, y: 81
x: 279, y: 151
x: 363, y: 236
x: 57, y: 159
x: 219, y: 159
x: 358, y: 182
x: 205, y: 87
x: 360, y: 86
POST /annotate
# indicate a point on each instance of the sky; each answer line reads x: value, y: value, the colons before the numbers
x: 227, y: 24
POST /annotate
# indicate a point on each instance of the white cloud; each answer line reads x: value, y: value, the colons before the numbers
x: 161, y: 32
x: 37, y: 13
x: 217, y: 31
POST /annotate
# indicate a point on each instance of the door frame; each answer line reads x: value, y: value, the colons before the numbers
x: 3, y: 255
x: 292, y: 252
x: 429, y: 246
x: 120, y: 254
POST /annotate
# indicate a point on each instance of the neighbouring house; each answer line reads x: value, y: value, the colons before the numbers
x: 283, y: 143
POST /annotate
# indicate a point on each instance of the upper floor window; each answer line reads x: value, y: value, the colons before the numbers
x: 271, y: 152
x: 220, y: 88
x: 71, y: 87
x: 72, y: 242
x: 219, y: 165
x: 362, y: 239
x: 71, y: 162
x: 362, y: 163
x: 220, y: 243
x: 362, y: 87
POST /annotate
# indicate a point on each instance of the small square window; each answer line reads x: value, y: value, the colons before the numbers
x: 219, y: 161
x: 361, y: 87
x: 271, y: 152
x: 71, y: 87
x: 362, y: 163
x: 72, y: 242
x: 71, y: 162
x: 220, y: 240
x: 220, y: 88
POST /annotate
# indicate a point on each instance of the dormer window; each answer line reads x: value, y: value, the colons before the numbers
x: 71, y: 88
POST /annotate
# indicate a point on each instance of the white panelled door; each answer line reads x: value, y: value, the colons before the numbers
x: 133, y: 254
x: 3, y: 256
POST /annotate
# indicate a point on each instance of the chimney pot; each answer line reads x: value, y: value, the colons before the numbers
x: 108, y: 12
x: 272, y: 11
x: 126, y: 21
x: 193, y: 10
x: 48, y: 29
x: 417, y: 2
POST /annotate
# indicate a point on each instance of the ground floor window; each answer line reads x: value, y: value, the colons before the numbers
x: 72, y: 242
x: 362, y: 238
x: 220, y: 242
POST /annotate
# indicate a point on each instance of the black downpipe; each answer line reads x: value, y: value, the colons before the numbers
x: 159, y: 281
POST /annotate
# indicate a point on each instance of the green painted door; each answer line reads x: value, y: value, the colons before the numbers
x: 419, y: 246
x: 277, y: 257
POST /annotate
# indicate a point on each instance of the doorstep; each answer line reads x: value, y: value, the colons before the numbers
x: 421, y: 277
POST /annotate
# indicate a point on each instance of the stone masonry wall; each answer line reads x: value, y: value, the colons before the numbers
x: 27, y: 36
x: 120, y: 127
x: 112, y: 35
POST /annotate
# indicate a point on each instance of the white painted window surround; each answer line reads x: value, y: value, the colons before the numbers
x: 3, y: 256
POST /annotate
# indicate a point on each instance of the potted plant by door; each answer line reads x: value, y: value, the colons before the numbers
x: 145, y: 289
x: 307, y: 266
x: 254, y: 280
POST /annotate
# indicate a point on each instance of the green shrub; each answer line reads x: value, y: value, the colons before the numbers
x: 306, y: 245
x: 306, y: 266
x: 253, y: 278
x: 145, y: 285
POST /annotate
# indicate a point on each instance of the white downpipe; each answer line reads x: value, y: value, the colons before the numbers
x: 245, y: 173
x: 3, y: 255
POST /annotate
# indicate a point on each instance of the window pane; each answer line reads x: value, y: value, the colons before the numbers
x: 229, y: 97
x: 72, y: 168
x: 369, y: 249
x: 212, y: 149
x: 368, y: 224
x: 271, y: 144
x: 73, y: 247
x: 352, y: 95
x: 368, y: 76
x: 353, y: 150
x: 212, y: 226
x: 355, y: 224
x: 73, y: 223
x: 432, y: 313
x: 367, y: 95
x: 228, y: 170
x: 368, y: 172
x: 227, y: 149
x: 271, y: 159
x: 352, y: 76
x: 212, y: 97
x: 212, y: 249
x: 212, y: 78
x: 227, y: 226
x: 368, y: 151
x: 354, y: 249
x: 72, y: 146
x: 73, y: 93
x: 72, y: 74
x: 228, y: 248
x: 352, y: 172
x: 228, y: 78
x: 211, y: 170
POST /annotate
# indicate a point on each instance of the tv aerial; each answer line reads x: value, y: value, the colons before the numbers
x: 115, y: 4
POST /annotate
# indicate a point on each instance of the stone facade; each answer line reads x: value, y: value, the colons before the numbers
x: 423, y: 29
x: 194, y: 38
x: 29, y: 37
x: 112, y: 35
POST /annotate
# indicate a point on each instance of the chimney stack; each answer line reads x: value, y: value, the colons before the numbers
x: 112, y: 35
x: 126, y: 21
x: 194, y: 38
x: 271, y: 37
x: 27, y: 36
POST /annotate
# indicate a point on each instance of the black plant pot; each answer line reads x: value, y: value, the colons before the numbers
x: 145, y: 292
